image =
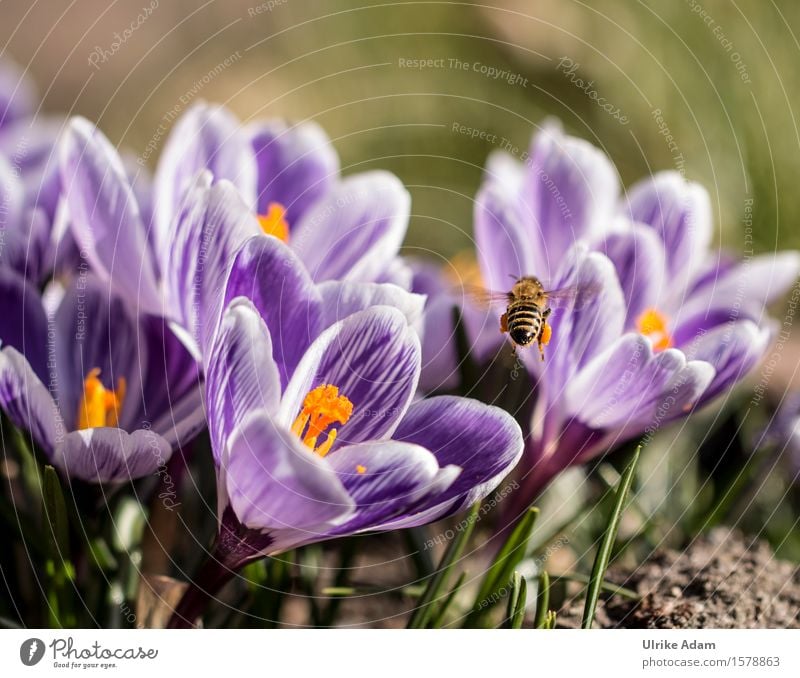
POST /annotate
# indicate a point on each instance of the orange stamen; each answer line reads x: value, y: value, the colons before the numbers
x: 653, y: 325
x: 274, y: 221
x: 361, y: 469
x: 322, y: 407
x: 100, y: 406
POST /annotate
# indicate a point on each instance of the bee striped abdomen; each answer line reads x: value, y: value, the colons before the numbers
x: 524, y: 320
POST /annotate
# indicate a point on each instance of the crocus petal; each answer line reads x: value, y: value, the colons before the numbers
x: 241, y: 374
x: 172, y: 386
x: 342, y: 299
x: 590, y: 323
x: 741, y: 291
x: 625, y: 386
x: 210, y: 228
x: 638, y: 256
x: 569, y: 195
x: 502, y: 238
x: 207, y: 137
x: 26, y: 400
x: 373, y: 357
x: 355, y: 230
x: 111, y: 455
x: 23, y: 322
x: 680, y: 213
x: 96, y: 329
x: 104, y: 216
x: 17, y: 93
x: 30, y: 145
x: 483, y: 441
x: 296, y: 165
x: 274, y: 482
x: 734, y: 350
x: 384, y: 479
x: 269, y: 274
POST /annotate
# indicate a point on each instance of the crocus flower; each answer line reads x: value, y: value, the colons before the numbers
x: 106, y: 394
x: 29, y: 184
x: 340, y: 449
x: 783, y: 432
x: 673, y: 324
x: 217, y: 186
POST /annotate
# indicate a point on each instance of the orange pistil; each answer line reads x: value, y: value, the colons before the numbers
x: 653, y: 325
x: 100, y: 406
x: 274, y: 221
x: 361, y: 470
x: 322, y: 407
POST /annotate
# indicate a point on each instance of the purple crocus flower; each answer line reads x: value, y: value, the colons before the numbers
x: 672, y: 325
x: 29, y: 184
x: 340, y: 449
x: 106, y: 394
x: 783, y: 432
x: 217, y: 186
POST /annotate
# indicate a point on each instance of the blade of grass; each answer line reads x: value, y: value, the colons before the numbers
x: 606, y: 586
x: 604, y: 552
x: 502, y: 569
x: 437, y: 621
x: 515, y: 612
x: 58, y: 567
x: 421, y: 614
x: 542, y: 600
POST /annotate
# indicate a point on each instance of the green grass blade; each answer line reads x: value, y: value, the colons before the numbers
x: 501, y: 571
x: 438, y: 620
x: 604, y: 552
x: 419, y: 618
x: 58, y: 567
x: 542, y: 600
x: 606, y: 586
x: 515, y: 612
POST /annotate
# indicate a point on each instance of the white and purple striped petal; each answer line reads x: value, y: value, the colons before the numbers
x: 296, y: 165
x: 105, y: 216
x: 354, y: 231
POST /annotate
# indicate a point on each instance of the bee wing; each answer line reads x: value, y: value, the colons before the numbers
x: 575, y: 296
x: 481, y: 296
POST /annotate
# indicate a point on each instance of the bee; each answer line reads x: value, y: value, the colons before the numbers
x: 528, y: 306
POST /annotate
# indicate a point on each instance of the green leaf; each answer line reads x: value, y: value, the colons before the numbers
x: 55, y: 513
x: 438, y: 580
x: 604, y: 552
x: 438, y: 620
x: 606, y: 586
x: 59, y: 570
x: 515, y: 613
x: 542, y: 600
x: 501, y: 570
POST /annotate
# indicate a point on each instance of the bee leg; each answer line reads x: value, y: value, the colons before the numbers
x: 504, y: 323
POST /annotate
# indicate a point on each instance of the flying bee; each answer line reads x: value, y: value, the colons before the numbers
x: 528, y: 306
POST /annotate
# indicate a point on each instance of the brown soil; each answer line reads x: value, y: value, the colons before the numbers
x: 722, y: 580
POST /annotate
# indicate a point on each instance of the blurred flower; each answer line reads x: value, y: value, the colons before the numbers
x: 29, y: 182
x: 169, y: 248
x: 783, y: 432
x: 673, y: 324
x: 106, y: 394
x: 340, y: 449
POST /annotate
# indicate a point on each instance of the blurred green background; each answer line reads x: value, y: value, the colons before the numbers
x: 722, y: 73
